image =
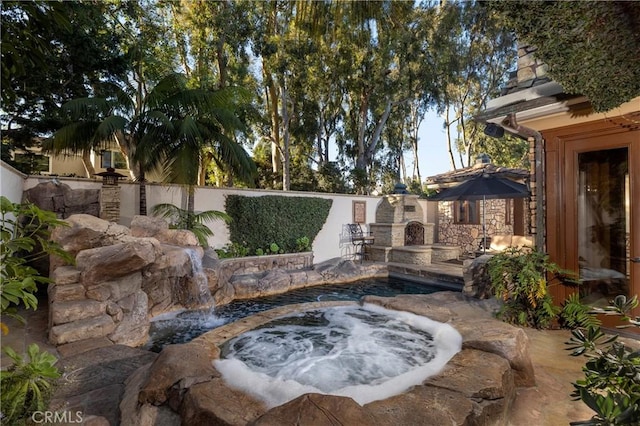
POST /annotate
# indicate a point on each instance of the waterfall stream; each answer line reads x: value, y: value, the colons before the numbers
x: 200, y: 281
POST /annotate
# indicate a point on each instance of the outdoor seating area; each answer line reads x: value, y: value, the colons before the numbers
x: 360, y: 240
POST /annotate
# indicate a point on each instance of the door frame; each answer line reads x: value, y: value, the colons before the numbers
x: 561, y: 160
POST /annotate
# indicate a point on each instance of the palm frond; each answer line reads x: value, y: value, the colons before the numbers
x: 110, y: 126
x: 74, y: 137
x: 87, y: 108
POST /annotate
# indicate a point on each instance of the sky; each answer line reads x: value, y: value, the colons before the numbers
x: 432, y: 147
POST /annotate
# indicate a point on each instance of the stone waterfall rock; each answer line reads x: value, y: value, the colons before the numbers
x: 111, y: 262
x: 119, y: 280
x: 158, y: 228
x: 86, y: 231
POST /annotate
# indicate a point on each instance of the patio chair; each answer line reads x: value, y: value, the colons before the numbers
x: 360, y: 240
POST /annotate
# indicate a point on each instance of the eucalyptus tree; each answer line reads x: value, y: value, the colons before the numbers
x: 475, y: 53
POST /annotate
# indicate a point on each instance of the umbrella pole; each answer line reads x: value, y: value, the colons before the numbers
x: 484, y: 226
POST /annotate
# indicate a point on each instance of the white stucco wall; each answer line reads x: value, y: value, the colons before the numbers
x: 332, y: 240
x: 11, y: 182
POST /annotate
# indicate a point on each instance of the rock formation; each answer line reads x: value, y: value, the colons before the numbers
x: 476, y: 387
x: 123, y: 276
x: 120, y: 278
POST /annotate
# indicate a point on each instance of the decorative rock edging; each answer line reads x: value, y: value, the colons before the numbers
x: 279, y: 280
x: 476, y: 387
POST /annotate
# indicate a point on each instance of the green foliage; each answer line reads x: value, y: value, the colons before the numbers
x: 241, y: 250
x: 233, y: 250
x: 193, y: 221
x: 610, y: 387
x: 576, y: 314
x: 590, y: 47
x: 620, y: 305
x: 24, y: 231
x: 303, y: 244
x: 519, y: 278
x: 26, y: 386
x: 274, y: 249
x: 261, y: 221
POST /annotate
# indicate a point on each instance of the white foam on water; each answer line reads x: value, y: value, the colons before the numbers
x: 363, y: 352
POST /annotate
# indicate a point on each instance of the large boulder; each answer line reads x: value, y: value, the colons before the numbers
x: 86, y: 232
x: 318, y: 410
x: 187, y: 363
x: 61, y: 199
x: 477, y: 282
x: 111, y: 262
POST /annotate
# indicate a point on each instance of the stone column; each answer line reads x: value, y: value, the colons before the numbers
x: 110, y: 203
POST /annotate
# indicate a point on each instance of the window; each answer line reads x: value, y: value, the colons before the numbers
x: 113, y: 159
x: 466, y: 212
x: 31, y: 163
x: 508, y: 211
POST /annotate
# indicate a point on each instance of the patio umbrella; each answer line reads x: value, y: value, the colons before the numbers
x: 483, y: 187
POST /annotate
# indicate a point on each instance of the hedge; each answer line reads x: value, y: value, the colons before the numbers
x: 259, y: 221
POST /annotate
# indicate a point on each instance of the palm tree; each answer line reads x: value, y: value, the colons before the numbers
x: 199, y: 129
x: 164, y: 127
x: 184, y: 219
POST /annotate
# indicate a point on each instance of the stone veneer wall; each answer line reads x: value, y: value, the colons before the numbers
x: 468, y: 236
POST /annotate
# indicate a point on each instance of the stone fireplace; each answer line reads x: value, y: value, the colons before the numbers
x: 400, y: 232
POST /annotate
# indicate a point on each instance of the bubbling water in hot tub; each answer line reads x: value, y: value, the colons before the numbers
x: 364, y: 352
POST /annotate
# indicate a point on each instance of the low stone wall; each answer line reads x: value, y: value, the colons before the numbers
x: 258, y: 276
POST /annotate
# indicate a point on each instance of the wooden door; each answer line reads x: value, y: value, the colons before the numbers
x: 596, y: 212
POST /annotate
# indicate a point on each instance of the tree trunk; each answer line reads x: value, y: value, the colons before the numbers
x: 191, y: 202
x: 88, y: 165
x: 143, y: 192
x: 286, y: 178
x: 449, y: 142
x: 373, y: 142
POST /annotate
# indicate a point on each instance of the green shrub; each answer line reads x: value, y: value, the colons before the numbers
x: 26, y: 386
x: 261, y: 221
x: 303, y: 244
x: 611, y: 384
x: 519, y: 277
x: 24, y: 233
x: 233, y: 250
x: 576, y: 314
x: 274, y: 249
x: 25, y: 230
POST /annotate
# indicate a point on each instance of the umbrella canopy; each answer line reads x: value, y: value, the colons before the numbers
x: 483, y: 187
